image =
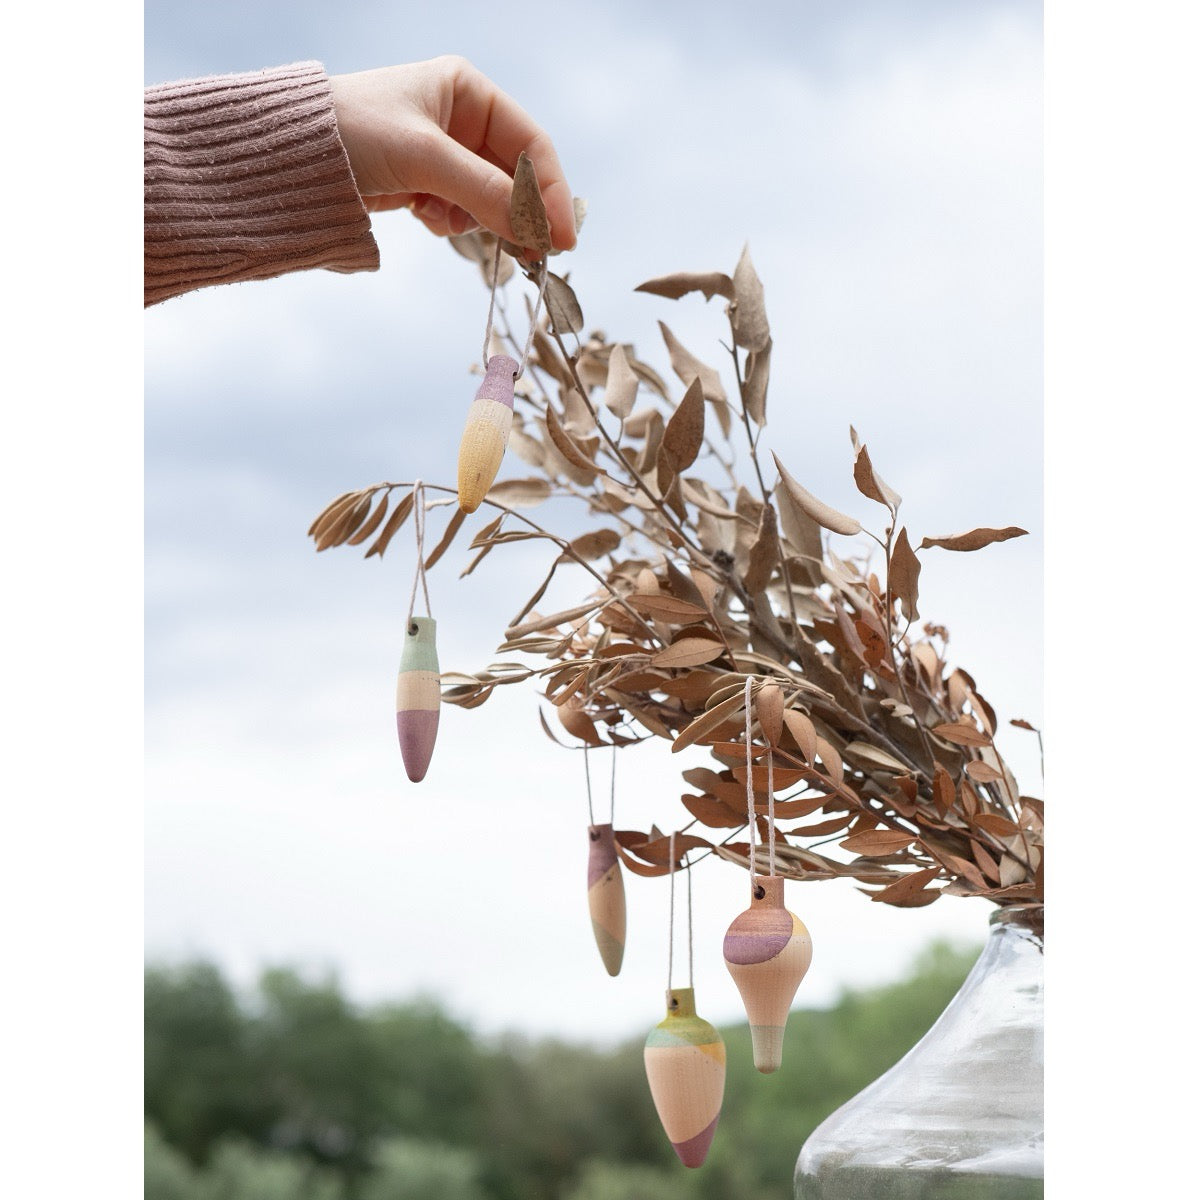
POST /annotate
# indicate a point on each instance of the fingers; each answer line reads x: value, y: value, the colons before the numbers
x: 443, y: 129
x: 492, y: 123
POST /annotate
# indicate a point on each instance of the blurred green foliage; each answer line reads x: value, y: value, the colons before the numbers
x: 294, y: 1093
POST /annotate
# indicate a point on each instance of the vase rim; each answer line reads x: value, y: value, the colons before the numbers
x: 1027, y: 916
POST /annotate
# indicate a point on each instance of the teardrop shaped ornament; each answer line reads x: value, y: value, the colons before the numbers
x: 606, y: 897
x: 685, y: 1067
x: 767, y: 951
x: 485, y: 437
x: 418, y: 696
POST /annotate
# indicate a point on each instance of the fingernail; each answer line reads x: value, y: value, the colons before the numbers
x: 462, y: 222
x: 431, y: 209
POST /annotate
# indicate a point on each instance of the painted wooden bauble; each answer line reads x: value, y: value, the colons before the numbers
x: 485, y: 437
x: 685, y: 1065
x: 606, y: 897
x: 418, y: 696
x: 767, y: 950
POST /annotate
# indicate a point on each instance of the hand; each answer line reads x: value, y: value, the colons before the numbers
x: 440, y: 137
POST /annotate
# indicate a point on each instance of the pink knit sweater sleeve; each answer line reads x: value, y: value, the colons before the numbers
x: 246, y: 177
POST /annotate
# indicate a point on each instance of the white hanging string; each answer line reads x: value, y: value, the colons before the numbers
x: 487, y: 333
x: 691, y: 965
x: 418, y: 494
x: 750, y: 785
x: 770, y: 811
x: 671, y: 918
x: 612, y: 791
x: 588, y: 775
x: 544, y: 276
x: 687, y: 870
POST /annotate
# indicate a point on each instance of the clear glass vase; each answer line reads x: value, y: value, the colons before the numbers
x: 960, y: 1116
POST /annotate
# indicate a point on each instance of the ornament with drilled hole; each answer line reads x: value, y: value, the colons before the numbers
x: 606, y: 897
x: 767, y: 950
x: 418, y: 697
x: 685, y: 1066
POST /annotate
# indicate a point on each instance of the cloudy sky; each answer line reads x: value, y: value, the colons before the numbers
x: 884, y: 163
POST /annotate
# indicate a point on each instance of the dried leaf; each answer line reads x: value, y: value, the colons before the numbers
x: 975, y: 539
x: 666, y: 608
x: 764, y: 553
x: 754, y: 388
x: 452, y: 527
x: 981, y: 772
x: 562, y: 305
x: 987, y: 864
x: 576, y: 722
x: 768, y: 707
x: 658, y: 850
x: 874, y: 648
x: 684, y: 434
x: 997, y: 825
x: 831, y: 759
x: 688, y: 367
x: 875, y: 842
x: 827, y: 517
x: 748, y: 312
x: 526, y: 210
x: 714, y: 813
x: 804, y: 536
x: 868, y: 479
x: 943, y: 790
x: 1011, y: 871
x: 1020, y: 723
x: 392, y: 526
x: 821, y: 828
x: 802, y: 729
x: 711, y: 283
x: 565, y: 444
x: 372, y: 522
x: 520, y: 493
x: 694, y: 687
x: 707, y: 722
x: 903, y: 571
x: 620, y: 388
x: 962, y: 735
x: 480, y: 247
x: 688, y: 652
x: 552, y: 621
x: 596, y: 544
x: 904, y: 893
x: 865, y: 752
x: 342, y: 520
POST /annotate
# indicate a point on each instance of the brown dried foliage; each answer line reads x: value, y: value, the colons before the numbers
x: 695, y: 585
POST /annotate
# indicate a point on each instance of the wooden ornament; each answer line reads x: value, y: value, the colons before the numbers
x: 485, y: 437
x: 418, y: 696
x: 685, y: 1066
x: 767, y: 950
x: 606, y: 897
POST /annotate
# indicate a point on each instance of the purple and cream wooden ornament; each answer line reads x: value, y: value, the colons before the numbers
x: 418, y: 696
x: 485, y: 437
x: 685, y: 1067
x: 606, y: 897
x: 768, y: 951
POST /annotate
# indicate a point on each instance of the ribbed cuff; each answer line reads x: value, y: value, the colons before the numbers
x: 246, y: 177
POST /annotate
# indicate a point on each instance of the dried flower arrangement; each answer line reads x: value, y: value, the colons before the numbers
x: 703, y: 581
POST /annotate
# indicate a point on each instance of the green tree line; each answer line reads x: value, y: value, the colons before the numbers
x: 295, y: 1093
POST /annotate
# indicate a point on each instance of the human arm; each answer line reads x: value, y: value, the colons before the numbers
x: 251, y: 176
